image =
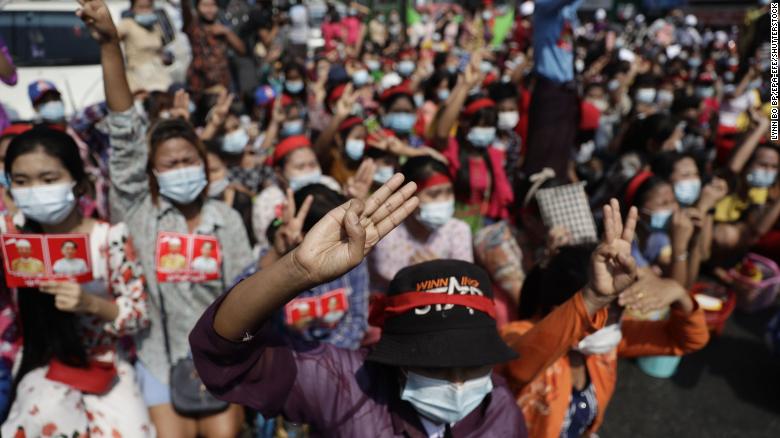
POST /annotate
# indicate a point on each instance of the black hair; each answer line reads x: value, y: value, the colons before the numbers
x: 643, y: 191
x: 387, y: 103
x: 643, y: 135
x: 485, y: 116
x: 431, y: 85
x: 325, y: 200
x: 499, y: 91
x: 52, y: 142
x: 552, y: 285
x: 418, y: 169
x: 663, y: 164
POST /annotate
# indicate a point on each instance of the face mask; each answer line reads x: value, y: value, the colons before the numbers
x: 300, y: 181
x: 761, y: 178
x: 507, y: 120
x: 755, y: 84
x: 600, y: 104
x: 687, y: 191
x: 401, y: 123
x: 418, y: 100
x: 452, y: 69
x: 481, y: 137
x: 613, y: 85
x: 705, y: 92
x: 443, y: 94
x: 360, y: 78
x: 182, y: 186
x: 660, y: 219
x: 294, y: 87
x: 146, y: 20
x: 47, y: 205
x: 235, y: 142
x: 645, y: 95
x: 216, y: 188
x: 485, y: 67
x: 405, y: 68
x: 292, y: 127
x: 694, y: 62
x: 354, y: 148
x: 383, y: 174
x: 665, y: 97
x: 602, y: 341
x: 372, y: 64
x: 443, y: 401
x: 4, y: 181
x: 53, y: 111
x: 435, y: 214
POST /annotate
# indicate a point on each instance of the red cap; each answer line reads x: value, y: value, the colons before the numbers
x: 477, y: 105
x: 336, y: 93
x: 589, y: 116
x: 398, y: 89
x: 288, y: 145
x: 350, y: 122
x: 15, y: 129
x: 634, y: 185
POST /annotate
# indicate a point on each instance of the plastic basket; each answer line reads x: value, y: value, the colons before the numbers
x: 762, y: 294
x: 716, y: 320
x: 661, y: 367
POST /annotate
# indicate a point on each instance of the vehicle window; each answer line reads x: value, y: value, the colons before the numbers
x: 42, y: 38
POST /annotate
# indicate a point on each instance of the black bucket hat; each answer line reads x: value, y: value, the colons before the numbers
x: 439, y: 314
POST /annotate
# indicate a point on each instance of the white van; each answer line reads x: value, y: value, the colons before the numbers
x: 48, y: 41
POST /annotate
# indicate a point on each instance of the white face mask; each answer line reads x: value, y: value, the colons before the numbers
x: 481, y: 137
x: 443, y: 401
x: 687, y: 191
x: 299, y: 181
x: 235, y: 142
x: 182, y: 186
x: 383, y: 174
x: 602, y: 341
x: 354, y: 148
x: 47, y: 205
x: 507, y: 120
x: 52, y: 111
x: 435, y: 214
x: 216, y: 188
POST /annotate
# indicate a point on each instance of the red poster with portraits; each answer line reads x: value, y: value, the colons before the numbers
x: 302, y: 312
x: 187, y: 257
x: 30, y: 259
x: 333, y: 307
x: 325, y: 310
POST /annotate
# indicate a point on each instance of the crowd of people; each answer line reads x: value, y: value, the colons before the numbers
x: 436, y: 226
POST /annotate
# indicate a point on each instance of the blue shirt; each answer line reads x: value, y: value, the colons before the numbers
x: 554, y: 23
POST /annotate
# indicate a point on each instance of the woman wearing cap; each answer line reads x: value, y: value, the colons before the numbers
x: 161, y: 186
x: 429, y: 372
x: 568, y: 394
x: 430, y: 233
x: 482, y: 189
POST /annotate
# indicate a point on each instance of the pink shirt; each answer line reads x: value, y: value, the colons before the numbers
x: 393, y: 253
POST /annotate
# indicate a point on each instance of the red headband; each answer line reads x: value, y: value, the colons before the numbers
x: 634, y: 185
x: 16, y: 129
x: 433, y: 180
x: 386, y: 307
x: 398, y: 89
x: 288, y: 145
x: 477, y: 105
x: 350, y: 122
x: 336, y: 93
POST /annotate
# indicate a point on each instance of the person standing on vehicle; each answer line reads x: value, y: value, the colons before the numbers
x: 210, y: 41
x: 142, y: 40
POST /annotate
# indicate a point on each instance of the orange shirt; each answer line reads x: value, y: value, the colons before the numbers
x: 541, y: 377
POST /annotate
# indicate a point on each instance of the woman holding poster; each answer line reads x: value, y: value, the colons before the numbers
x: 160, y: 187
x: 74, y: 376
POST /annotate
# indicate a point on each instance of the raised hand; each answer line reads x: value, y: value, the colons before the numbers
x: 612, y: 267
x: 290, y: 233
x: 95, y: 15
x: 181, y: 105
x: 341, y: 240
x: 219, y: 112
x: 359, y: 185
x: 345, y: 103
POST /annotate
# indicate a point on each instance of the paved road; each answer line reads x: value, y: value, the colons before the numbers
x: 729, y: 389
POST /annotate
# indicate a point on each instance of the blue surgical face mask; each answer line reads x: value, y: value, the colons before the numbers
x: 485, y: 66
x: 372, y: 64
x: 292, y: 127
x: 146, y: 19
x: 361, y: 77
x: 687, y: 191
x: 481, y: 137
x: 761, y: 178
x: 443, y: 94
x: 435, y: 214
x: 694, y: 62
x: 293, y: 87
x: 354, y: 148
x: 299, y: 181
x: 705, y: 92
x: 48, y: 205
x: 442, y: 401
x: 645, y: 95
x: 235, y: 142
x: 405, y: 68
x: 52, y: 111
x: 182, y: 186
x: 383, y: 174
x: 659, y: 220
x: 399, y: 122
